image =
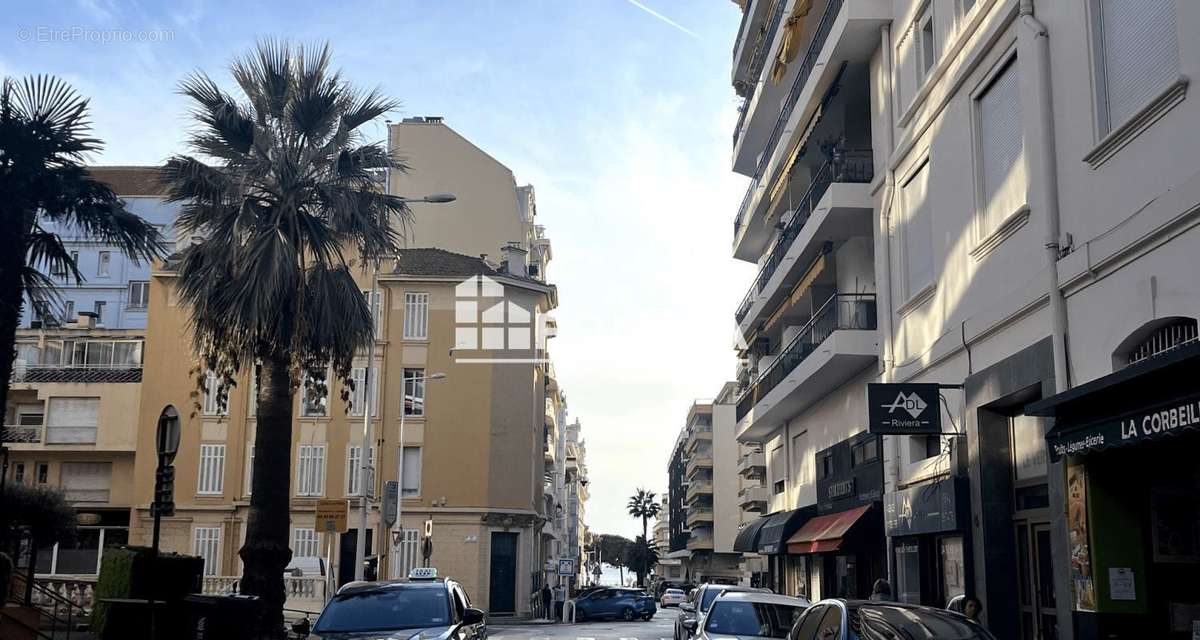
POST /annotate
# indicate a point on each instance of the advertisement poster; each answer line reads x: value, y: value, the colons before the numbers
x: 1077, y: 529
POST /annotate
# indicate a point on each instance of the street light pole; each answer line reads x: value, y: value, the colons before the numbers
x: 400, y: 463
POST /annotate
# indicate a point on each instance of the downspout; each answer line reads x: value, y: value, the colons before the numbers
x: 884, y: 291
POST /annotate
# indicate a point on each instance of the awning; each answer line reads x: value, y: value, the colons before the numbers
x: 777, y: 528
x: 825, y: 533
x: 1151, y: 400
x: 747, y: 537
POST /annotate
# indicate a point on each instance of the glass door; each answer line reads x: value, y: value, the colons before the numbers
x: 1039, y: 619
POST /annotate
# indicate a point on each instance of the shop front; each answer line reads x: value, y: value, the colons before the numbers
x: 754, y: 567
x: 930, y: 530
x: 839, y: 553
x: 781, y: 575
x: 1130, y: 442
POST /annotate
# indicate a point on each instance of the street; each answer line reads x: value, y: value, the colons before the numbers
x: 661, y: 627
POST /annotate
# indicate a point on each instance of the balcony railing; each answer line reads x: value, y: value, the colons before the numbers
x: 846, y: 165
x: 806, y: 66
x: 840, y: 311
x: 761, y: 46
x: 21, y: 434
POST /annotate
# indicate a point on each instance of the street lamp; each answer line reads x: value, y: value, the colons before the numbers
x: 400, y: 463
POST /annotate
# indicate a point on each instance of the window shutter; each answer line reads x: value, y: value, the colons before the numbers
x: 1141, y: 53
x: 1002, y: 148
x: 212, y: 469
x: 918, y: 232
x: 412, y: 471
x: 72, y: 420
x: 87, y: 481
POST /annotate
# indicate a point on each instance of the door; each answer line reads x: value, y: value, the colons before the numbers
x: 1039, y: 619
x: 346, y: 552
x: 502, y: 591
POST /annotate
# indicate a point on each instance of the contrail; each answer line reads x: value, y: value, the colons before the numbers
x: 664, y: 18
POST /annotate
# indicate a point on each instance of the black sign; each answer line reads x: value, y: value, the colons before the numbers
x: 849, y: 473
x: 1132, y: 428
x: 926, y: 508
x: 904, y: 409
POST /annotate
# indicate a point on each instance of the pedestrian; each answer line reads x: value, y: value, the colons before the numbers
x: 881, y: 591
x: 972, y: 607
x: 547, y: 598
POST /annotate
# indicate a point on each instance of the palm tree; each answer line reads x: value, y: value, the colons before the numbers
x: 45, y: 189
x: 644, y: 505
x: 289, y: 189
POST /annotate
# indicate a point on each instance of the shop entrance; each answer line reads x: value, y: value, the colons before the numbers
x: 1036, y: 582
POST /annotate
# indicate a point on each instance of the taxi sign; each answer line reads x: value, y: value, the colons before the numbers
x: 332, y: 516
x: 422, y: 573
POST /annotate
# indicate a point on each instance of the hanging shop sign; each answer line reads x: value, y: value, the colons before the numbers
x: 904, y: 409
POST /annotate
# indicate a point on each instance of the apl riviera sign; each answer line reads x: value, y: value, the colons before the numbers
x: 1149, y: 424
x: 904, y: 409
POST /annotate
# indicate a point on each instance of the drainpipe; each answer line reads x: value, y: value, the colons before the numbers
x: 1034, y: 46
x: 884, y: 292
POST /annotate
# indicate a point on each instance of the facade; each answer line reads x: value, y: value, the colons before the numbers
x: 955, y: 192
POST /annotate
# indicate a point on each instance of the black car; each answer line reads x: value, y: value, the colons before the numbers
x: 433, y: 609
x: 837, y: 619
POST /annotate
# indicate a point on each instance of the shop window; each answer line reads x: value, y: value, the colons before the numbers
x: 908, y: 572
x: 954, y: 580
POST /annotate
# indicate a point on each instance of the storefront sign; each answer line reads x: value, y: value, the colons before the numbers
x: 850, y: 473
x: 925, y: 508
x: 904, y: 409
x: 838, y: 490
x: 1132, y: 428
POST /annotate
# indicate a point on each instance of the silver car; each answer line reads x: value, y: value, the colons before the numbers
x: 751, y: 615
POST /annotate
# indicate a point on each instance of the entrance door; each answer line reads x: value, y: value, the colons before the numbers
x: 1039, y: 619
x: 502, y: 591
x: 346, y: 553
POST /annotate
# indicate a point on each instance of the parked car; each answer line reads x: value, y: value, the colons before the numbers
x: 422, y: 606
x: 691, y: 613
x: 626, y: 604
x: 838, y: 619
x: 672, y: 598
x: 751, y: 615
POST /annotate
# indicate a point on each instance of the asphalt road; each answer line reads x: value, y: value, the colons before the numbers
x: 660, y: 627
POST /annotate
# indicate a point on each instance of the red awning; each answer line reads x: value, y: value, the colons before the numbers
x: 824, y: 533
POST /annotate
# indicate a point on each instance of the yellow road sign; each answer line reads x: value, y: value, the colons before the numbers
x: 332, y: 516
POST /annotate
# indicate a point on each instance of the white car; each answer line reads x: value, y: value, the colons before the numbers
x: 746, y: 615
x: 672, y: 598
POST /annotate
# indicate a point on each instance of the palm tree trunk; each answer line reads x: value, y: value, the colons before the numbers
x: 266, y: 552
x: 12, y: 297
x: 645, y: 553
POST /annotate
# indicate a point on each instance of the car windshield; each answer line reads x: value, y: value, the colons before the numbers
x: 884, y: 622
x: 384, y: 610
x: 709, y: 596
x: 751, y: 619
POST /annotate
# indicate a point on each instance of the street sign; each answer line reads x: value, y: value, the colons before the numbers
x: 166, y: 439
x: 566, y: 567
x: 429, y: 528
x: 332, y: 516
x: 391, y: 496
x: 904, y: 409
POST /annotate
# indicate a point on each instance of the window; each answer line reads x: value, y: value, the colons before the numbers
x: 304, y: 543
x: 87, y: 481
x: 314, y: 396
x: 908, y: 572
x: 139, y: 294
x: 1138, y: 56
x: 918, y: 232
x: 410, y: 469
x: 864, y: 452
x: 358, y: 398
x: 69, y: 314
x: 103, y: 263
x: 43, y: 472
x: 825, y: 465
x: 98, y: 309
x: 354, y: 472
x: 416, y: 316
x: 926, y: 45
x: 207, y: 545
x: 310, y: 472
x: 777, y: 470
x: 801, y: 472
x: 213, y: 404
x: 376, y: 317
x: 72, y: 420
x: 249, y: 467
x: 1176, y: 333
x: 19, y: 472
x: 253, y: 397
x: 1001, y: 149
x: 414, y: 392
x: 211, y: 474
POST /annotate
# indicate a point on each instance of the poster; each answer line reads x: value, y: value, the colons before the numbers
x: 1077, y: 530
x: 1120, y: 584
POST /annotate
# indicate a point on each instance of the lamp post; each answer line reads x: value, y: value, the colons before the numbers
x: 400, y: 463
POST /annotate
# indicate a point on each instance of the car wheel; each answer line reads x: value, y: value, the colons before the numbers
x: 647, y: 617
x: 627, y: 614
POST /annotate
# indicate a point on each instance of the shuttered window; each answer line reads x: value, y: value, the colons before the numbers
x: 72, y: 420
x: 211, y: 473
x: 358, y: 399
x: 207, y: 545
x: 1001, y: 149
x: 310, y: 470
x: 304, y: 543
x: 416, y: 316
x: 1139, y: 54
x: 212, y: 402
x: 917, y: 232
x: 87, y: 481
x: 376, y: 311
x: 411, y: 472
x: 354, y: 470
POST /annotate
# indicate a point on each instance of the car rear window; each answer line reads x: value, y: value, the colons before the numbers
x: 384, y: 610
x: 879, y: 621
x: 735, y: 618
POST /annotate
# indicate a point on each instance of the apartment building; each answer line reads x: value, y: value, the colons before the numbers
x: 1027, y: 167
x: 576, y: 489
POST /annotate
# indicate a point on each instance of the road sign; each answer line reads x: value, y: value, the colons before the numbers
x: 566, y: 567
x: 429, y: 528
x: 904, y: 409
x: 391, y: 496
x: 332, y: 516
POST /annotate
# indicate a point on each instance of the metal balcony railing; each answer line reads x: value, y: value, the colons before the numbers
x: 21, y: 434
x: 840, y: 311
x: 757, y: 61
x: 806, y: 66
x: 847, y: 166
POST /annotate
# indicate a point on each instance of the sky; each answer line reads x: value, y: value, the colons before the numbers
x: 619, y: 112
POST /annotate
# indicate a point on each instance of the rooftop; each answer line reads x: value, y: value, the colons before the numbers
x: 130, y: 180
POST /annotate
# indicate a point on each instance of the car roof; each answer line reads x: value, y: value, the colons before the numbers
x: 388, y: 585
x: 734, y: 588
x: 761, y: 597
x: 674, y: 590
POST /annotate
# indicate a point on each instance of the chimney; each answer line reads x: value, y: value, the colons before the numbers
x: 514, y: 260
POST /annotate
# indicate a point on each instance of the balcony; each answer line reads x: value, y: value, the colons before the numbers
x: 698, y: 489
x: 698, y: 460
x: 760, y: 24
x: 27, y: 374
x: 700, y: 541
x: 752, y: 465
x: 22, y: 434
x: 699, y: 515
x: 845, y: 32
x: 753, y: 499
x: 836, y: 343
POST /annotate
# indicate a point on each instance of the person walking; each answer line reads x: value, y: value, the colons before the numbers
x: 547, y: 601
x: 881, y: 591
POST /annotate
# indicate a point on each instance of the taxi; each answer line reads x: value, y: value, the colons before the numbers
x: 422, y: 606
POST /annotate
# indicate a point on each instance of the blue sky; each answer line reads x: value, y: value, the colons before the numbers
x: 621, y: 120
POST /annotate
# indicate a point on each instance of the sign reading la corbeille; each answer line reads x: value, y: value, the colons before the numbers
x: 904, y: 409
x: 1151, y: 423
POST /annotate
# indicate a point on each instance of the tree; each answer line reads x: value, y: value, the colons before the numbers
x: 644, y: 505
x: 45, y: 189
x: 641, y: 555
x: 42, y: 514
x: 289, y: 188
x: 613, y: 550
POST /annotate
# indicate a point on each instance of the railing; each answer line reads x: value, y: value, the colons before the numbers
x: 65, y: 603
x: 299, y: 588
x: 840, y: 311
x: 846, y: 166
x: 18, y: 435
x: 757, y: 62
x: 806, y: 66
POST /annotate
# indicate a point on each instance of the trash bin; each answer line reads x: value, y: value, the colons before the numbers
x: 228, y: 617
